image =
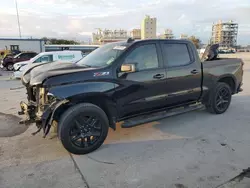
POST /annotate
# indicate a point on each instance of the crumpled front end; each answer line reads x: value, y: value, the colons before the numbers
x: 40, y: 108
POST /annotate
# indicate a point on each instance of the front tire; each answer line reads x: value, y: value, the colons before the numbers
x: 83, y: 128
x: 10, y: 67
x: 219, y: 98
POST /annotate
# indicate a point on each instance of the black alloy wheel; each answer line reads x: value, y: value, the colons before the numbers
x: 85, y: 131
x: 83, y: 128
x: 219, y: 98
x: 223, y: 99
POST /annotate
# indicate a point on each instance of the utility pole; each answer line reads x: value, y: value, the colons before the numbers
x: 18, y: 22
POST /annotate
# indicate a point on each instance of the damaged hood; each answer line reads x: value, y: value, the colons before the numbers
x: 38, y: 73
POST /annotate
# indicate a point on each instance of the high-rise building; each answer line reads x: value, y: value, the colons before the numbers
x: 136, y: 33
x: 106, y: 36
x: 167, y: 35
x: 148, y: 28
x: 225, y: 34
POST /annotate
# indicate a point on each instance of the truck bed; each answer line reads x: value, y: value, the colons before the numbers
x: 222, y: 68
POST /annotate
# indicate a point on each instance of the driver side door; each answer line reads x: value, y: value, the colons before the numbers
x: 143, y: 89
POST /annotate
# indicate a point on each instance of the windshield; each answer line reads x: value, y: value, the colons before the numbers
x: 103, y: 56
x: 17, y: 55
x: 35, y: 58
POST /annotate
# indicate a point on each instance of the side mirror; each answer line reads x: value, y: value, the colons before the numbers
x: 128, y: 68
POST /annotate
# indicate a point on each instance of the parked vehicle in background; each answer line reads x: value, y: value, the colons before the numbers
x: 226, y: 50
x: 45, y: 57
x: 134, y: 82
x: 8, y: 62
x: 85, y: 49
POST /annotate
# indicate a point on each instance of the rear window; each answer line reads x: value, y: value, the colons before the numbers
x: 176, y: 54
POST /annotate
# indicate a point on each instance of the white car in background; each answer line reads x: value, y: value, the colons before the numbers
x: 44, y: 57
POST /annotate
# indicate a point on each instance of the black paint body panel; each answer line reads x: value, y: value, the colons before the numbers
x: 127, y: 94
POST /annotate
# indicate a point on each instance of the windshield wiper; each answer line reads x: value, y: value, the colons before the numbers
x: 83, y: 65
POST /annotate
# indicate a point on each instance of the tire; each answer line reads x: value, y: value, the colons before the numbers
x: 75, y: 119
x: 215, y: 98
x: 10, y: 67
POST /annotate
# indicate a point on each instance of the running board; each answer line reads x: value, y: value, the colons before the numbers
x: 160, y: 115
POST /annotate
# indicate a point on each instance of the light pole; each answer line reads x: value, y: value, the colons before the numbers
x: 18, y: 22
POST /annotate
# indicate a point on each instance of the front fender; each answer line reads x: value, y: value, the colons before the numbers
x: 79, y: 89
x: 97, y: 93
x: 49, y: 115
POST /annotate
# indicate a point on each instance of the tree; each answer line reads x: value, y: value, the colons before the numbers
x: 58, y: 41
x: 195, y: 40
x: 45, y: 40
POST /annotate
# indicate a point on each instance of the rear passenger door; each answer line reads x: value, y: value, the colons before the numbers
x: 184, y: 74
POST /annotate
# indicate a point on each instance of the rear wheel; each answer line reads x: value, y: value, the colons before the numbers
x: 83, y: 128
x: 219, y: 99
x: 10, y: 67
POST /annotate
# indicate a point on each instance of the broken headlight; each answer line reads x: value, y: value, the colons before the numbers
x: 50, y: 98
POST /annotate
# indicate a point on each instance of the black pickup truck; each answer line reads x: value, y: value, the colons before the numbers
x: 130, y: 81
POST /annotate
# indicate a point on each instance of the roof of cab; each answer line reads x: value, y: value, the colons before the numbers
x: 130, y: 41
x: 172, y: 40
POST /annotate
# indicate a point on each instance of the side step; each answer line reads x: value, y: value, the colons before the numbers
x: 160, y: 115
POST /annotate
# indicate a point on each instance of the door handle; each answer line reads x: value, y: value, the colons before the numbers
x: 158, y: 76
x: 194, y: 71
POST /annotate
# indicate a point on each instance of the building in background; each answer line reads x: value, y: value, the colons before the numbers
x: 148, y: 28
x: 17, y: 44
x: 184, y: 36
x: 107, y: 36
x: 136, y: 34
x: 168, y: 34
x: 225, y: 34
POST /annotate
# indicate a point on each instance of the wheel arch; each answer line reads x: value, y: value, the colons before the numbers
x: 100, y: 100
x: 227, y: 78
x: 230, y: 80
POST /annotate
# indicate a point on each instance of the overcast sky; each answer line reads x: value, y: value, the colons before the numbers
x: 79, y: 18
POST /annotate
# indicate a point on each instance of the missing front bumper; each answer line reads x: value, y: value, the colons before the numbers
x: 29, y: 111
x: 44, y: 121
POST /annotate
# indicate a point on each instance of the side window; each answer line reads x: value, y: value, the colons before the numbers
x: 45, y: 58
x: 176, y: 54
x: 31, y: 55
x: 26, y: 56
x: 23, y: 56
x: 145, y: 57
x: 14, y: 47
